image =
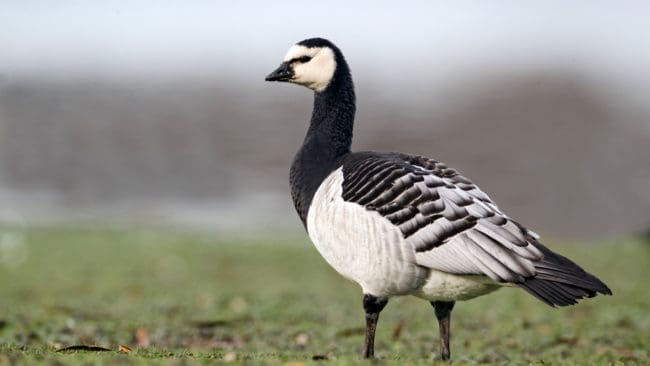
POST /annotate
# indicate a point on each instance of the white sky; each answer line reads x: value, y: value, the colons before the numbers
x: 159, y: 39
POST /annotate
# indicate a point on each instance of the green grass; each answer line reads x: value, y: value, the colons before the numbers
x: 202, y: 299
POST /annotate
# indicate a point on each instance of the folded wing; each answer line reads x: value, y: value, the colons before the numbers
x: 455, y: 227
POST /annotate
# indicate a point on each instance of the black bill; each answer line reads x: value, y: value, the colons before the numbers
x: 282, y: 73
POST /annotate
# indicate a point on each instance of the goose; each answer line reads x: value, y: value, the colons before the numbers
x: 399, y: 224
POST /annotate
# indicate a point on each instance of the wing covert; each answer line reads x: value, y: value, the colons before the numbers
x: 450, y: 223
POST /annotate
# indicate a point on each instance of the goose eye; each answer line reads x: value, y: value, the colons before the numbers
x: 304, y: 59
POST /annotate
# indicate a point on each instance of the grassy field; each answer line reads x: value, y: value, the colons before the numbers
x: 185, y: 299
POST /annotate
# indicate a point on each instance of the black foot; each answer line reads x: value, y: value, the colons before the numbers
x: 373, y: 306
x: 443, y: 314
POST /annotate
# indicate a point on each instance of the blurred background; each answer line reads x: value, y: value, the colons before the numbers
x: 156, y: 113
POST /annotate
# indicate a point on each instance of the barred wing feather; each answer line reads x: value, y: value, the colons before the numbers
x: 453, y: 226
x: 450, y: 223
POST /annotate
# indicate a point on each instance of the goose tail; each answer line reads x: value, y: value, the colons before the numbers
x: 561, y: 282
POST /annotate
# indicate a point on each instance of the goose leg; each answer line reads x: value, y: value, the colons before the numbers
x: 443, y: 313
x: 373, y: 306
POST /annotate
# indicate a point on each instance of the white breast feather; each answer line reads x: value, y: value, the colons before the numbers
x: 365, y: 247
x: 361, y: 245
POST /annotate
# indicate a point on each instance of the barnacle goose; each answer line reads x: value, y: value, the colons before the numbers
x: 400, y: 224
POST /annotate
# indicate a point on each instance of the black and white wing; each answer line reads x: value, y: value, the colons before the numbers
x: 455, y: 227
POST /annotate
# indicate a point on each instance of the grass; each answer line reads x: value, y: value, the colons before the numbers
x: 185, y: 299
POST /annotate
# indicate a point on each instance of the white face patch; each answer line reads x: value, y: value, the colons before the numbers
x: 315, y: 74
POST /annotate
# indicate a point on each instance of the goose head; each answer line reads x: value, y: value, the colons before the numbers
x: 311, y: 63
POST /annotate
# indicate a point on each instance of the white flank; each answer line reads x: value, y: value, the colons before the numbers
x: 441, y: 286
x: 365, y: 247
x: 315, y: 74
x: 361, y: 245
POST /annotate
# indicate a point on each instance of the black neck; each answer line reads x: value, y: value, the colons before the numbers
x: 328, y: 138
x: 332, y: 119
